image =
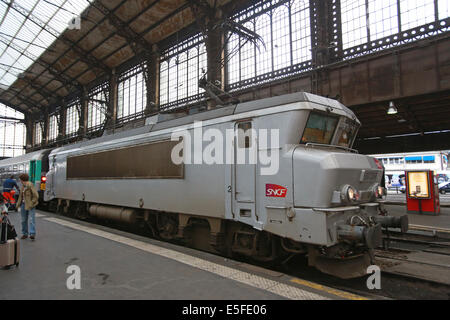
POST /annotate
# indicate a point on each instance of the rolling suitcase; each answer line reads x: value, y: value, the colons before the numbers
x: 9, y: 246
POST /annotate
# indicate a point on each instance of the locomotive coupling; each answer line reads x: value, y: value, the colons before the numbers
x: 371, y: 236
x: 393, y: 222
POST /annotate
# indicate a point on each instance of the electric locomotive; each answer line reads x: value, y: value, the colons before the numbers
x: 264, y: 179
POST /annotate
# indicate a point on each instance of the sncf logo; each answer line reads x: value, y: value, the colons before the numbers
x: 274, y: 190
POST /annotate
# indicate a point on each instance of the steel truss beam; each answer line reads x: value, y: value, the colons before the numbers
x: 11, y: 119
x: 136, y: 42
x: 19, y: 95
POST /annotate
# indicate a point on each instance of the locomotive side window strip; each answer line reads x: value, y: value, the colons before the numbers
x: 149, y: 161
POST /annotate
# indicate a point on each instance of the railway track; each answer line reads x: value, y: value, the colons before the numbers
x: 407, y: 282
x: 394, y: 284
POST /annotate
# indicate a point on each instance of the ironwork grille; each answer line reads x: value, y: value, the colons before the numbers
x: 97, y: 106
x: 132, y: 93
x: 414, y: 13
x: 284, y: 27
x: 181, y: 68
x: 369, y: 25
x: 53, y: 127
x: 354, y: 22
x: 38, y: 132
x: 72, y: 118
x: 443, y: 9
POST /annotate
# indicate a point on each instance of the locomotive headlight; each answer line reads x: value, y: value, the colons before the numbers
x: 378, y: 191
x: 349, y: 194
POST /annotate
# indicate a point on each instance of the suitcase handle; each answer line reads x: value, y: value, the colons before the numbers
x: 4, y: 232
x: 4, y: 235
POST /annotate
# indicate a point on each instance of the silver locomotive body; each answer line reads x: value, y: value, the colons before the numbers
x: 322, y: 200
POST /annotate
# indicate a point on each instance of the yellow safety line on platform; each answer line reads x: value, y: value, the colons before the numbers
x: 428, y: 228
x: 339, y: 293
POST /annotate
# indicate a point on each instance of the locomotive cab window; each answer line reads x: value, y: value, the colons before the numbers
x: 347, y: 133
x: 319, y: 128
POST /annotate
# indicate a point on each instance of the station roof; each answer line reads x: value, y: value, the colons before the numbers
x: 60, y: 60
x: 416, y: 115
x: 44, y: 61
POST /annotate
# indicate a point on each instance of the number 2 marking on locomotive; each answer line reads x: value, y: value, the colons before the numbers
x: 229, y: 188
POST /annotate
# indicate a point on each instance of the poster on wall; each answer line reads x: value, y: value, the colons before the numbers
x: 418, y: 186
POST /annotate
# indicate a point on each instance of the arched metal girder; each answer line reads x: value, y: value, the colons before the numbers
x: 84, y: 56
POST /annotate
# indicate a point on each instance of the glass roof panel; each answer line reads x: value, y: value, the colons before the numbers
x: 27, y: 28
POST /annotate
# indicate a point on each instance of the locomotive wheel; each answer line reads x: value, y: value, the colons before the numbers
x: 268, y: 249
x: 167, y: 226
x: 53, y: 206
x: 152, y: 229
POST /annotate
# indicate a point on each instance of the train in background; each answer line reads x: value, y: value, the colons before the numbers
x: 35, y: 164
x: 397, y: 163
x: 324, y: 201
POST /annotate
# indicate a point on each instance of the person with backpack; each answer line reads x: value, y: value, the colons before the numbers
x: 8, y: 192
x: 27, y: 202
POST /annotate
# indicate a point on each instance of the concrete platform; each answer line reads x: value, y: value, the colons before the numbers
x: 394, y: 197
x: 427, y: 221
x: 120, y: 265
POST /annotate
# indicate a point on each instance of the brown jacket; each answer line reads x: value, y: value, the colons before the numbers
x: 29, y: 193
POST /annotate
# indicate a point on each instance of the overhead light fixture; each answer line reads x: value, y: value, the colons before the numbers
x: 392, y: 109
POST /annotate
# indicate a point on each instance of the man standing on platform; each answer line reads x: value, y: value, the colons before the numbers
x: 28, y: 200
